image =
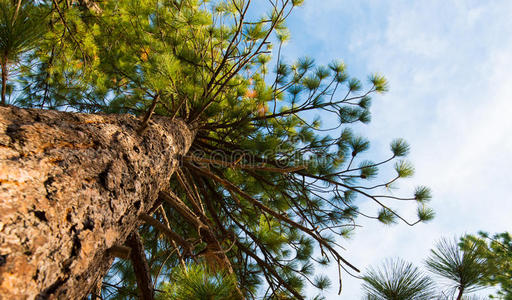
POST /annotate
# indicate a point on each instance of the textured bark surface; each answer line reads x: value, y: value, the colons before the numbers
x: 71, y: 186
x: 140, y: 266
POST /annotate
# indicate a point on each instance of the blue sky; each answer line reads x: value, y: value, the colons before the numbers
x: 449, y: 65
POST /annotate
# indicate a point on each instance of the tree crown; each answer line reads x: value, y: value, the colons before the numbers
x: 264, y: 189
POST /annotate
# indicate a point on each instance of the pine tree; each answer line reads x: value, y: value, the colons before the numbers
x: 496, y: 250
x: 20, y: 28
x: 397, y: 280
x: 260, y: 184
x: 460, y: 267
x: 196, y: 281
x: 464, y: 269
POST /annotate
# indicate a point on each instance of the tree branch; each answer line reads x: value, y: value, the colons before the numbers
x: 140, y: 266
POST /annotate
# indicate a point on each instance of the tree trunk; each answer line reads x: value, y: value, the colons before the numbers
x: 71, y: 186
x: 461, y: 293
x: 3, y: 65
x: 140, y: 266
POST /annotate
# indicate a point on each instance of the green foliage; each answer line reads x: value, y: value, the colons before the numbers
x: 380, y: 84
x: 196, y: 282
x: 358, y: 145
x: 399, y: 147
x: 21, y: 26
x: 425, y: 214
x: 497, y: 252
x: 322, y: 282
x: 386, y: 216
x: 422, y: 194
x: 265, y: 182
x: 397, y: 280
x: 368, y: 169
x: 464, y: 268
x: 404, y: 169
x: 354, y: 85
x: 297, y: 2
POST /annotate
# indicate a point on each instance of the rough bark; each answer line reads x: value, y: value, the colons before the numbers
x: 71, y: 186
x: 96, y: 290
x: 140, y: 266
x: 4, y: 81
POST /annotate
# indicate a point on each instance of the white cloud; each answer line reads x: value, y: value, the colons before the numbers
x: 449, y: 65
